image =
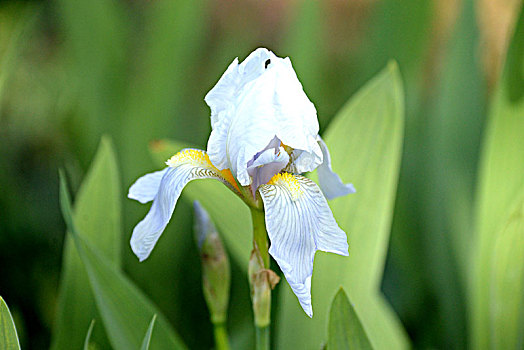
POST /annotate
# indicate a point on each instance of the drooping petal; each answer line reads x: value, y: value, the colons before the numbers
x: 145, y: 188
x: 251, y: 104
x: 183, y: 167
x: 299, y: 222
x: 330, y: 183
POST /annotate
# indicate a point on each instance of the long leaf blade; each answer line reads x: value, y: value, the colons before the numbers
x: 500, y: 180
x: 98, y: 217
x: 369, y: 158
x: 125, y: 310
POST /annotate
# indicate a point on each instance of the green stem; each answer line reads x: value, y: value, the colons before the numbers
x: 262, y: 338
x: 260, y: 235
x: 221, y: 340
x: 261, y: 245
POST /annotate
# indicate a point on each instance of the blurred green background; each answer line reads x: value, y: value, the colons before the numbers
x: 137, y: 71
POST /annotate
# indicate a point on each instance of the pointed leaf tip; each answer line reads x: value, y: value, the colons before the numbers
x: 147, y: 337
x: 88, y: 335
x: 345, y: 331
x: 8, y: 335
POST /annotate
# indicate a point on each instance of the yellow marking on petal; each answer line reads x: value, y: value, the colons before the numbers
x: 193, y: 156
x: 200, y: 158
x: 290, y: 182
x: 228, y: 176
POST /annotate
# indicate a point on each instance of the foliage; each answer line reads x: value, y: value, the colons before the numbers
x: 376, y: 114
x: 501, y: 185
x: 8, y: 338
x: 440, y: 258
x: 345, y: 330
x: 121, y: 305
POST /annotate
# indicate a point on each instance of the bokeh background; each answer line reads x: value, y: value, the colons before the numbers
x: 137, y: 71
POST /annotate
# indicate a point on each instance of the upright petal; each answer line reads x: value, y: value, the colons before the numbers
x: 224, y: 99
x: 299, y: 222
x: 145, y: 188
x: 251, y: 104
x: 330, y: 183
x: 183, y: 167
x: 298, y: 126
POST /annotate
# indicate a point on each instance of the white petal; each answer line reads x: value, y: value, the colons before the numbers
x: 266, y: 165
x: 298, y: 124
x: 329, y: 181
x: 299, y: 222
x: 303, y: 162
x: 183, y: 167
x: 269, y: 156
x: 251, y: 104
x: 145, y: 188
x: 221, y: 95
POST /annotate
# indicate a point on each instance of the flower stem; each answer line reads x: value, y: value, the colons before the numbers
x: 262, y: 338
x: 260, y: 235
x: 221, y: 340
x: 259, y: 278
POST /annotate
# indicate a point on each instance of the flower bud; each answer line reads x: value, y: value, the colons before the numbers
x: 216, y: 273
x: 261, y: 281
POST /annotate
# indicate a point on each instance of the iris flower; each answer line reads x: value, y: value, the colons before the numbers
x: 264, y: 135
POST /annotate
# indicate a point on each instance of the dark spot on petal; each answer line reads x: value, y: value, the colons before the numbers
x: 268, y: 61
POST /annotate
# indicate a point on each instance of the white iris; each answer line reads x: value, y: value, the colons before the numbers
x: 264, y: 134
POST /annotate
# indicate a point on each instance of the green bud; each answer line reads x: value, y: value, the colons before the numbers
x: 261, y: 281
x: 216, y: 275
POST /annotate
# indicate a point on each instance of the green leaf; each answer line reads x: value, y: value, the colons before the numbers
x: 8, y: 336
x: 147, y: 337
x: 345, y: 330
x: 124, y: 309
x: 449, y: 177
x: 88, y: 335
x: 229, y: 213
x: 507, y: 282
x: 500, y: 180
x: 98, y: 218
x: 365, y: 141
